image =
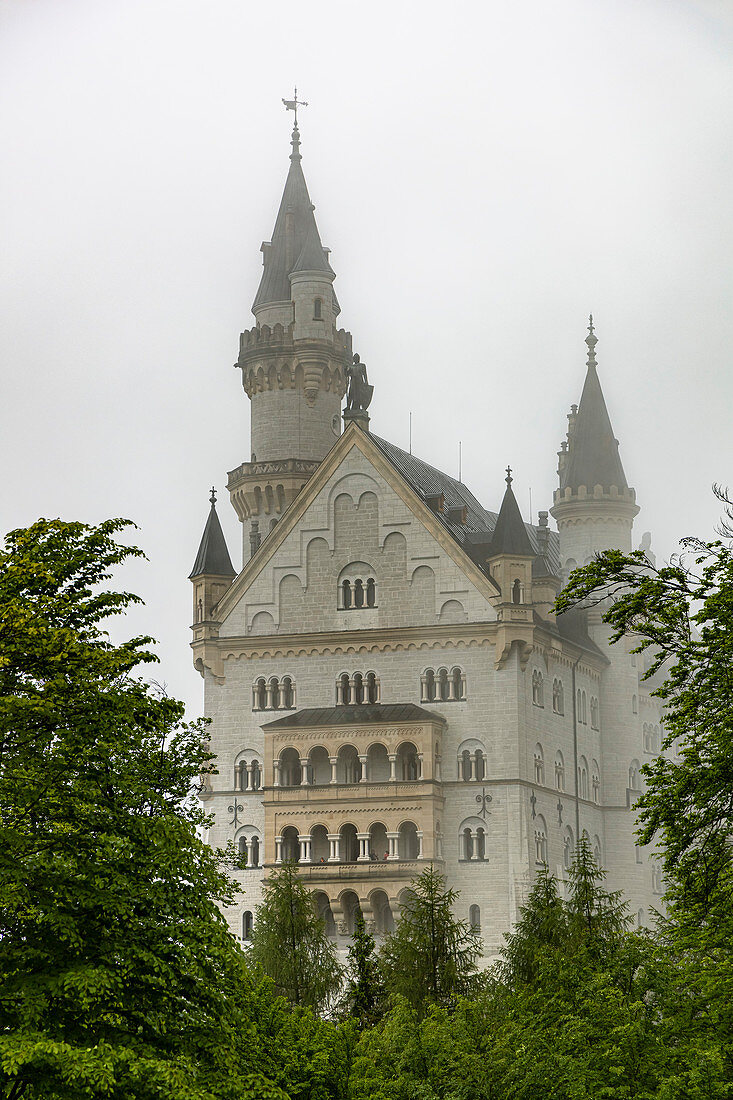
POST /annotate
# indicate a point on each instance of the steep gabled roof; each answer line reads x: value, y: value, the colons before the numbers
x: 356, y: 715
x: 593, y: 457
x: 288, y: 249
x: 213, y: 556
x: 510, y: 535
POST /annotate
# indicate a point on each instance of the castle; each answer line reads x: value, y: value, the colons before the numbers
x: 388, y: 684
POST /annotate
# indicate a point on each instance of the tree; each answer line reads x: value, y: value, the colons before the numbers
x: 119, y: 976
x: 289, y: 942
x: 680, y: 615
x: 365, y: 989
x: 431, y: 956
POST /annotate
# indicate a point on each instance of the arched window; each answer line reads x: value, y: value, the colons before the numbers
x: 583, y: 777
x: 474, y: 918
x: 371, y: 592
x: 258, y: 694
x: 640, y: 918
x: 247, y: 924
x: 540, y: 840
x: 657, y: 882
x: 467, y: 844
x: 442, y: 686
x: 371, y: 692
x: 568, y: 848
x: 358, y: 592
x: 559, y: 771
x: 637, y: 853
x: 634, y: 705
x: 358, y: 688
x: 517, y: 591
x: 243, y: 851
x: 343, y: 694
x: 465, y: 765
x: 597, y: 852
x: 358, y: 589
x: 537, y: 689
x: 595, y: 781
x: 480, y: 765
x: 634, y: 783
x: 346, y: 595
x: 594, y: 713
x: 558, y: 700
x: 254, y: 851
x: 317, y: 309
x: 584, y: 708
x: 539, y: 764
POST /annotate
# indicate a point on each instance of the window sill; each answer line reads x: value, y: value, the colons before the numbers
x: 271, y: 710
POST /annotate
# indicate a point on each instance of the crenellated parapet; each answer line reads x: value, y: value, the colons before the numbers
x: 271, y: 359
x: 263, y: 490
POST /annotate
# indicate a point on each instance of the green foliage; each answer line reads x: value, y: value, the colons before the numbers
x: 119, y: 975
x: 289, y: 943
x: 431, y: 956
x: 680, y: 615
x: 364, y: 998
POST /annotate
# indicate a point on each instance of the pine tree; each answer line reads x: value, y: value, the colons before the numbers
x: 365, y: 990
x: 431, y: 956
x: 543, y: 924
x: 289, y: 942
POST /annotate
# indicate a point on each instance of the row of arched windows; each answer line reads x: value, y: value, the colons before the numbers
x: 471, y: 765
x: 568, y: 844
x: 348, y: 845
x: 357, y: 688
x: 377, y: 765
x: 558, y: 700
x: 357, y: 593
x: 442, y: 686
x: 585, y: 789
x: 273, y: 694
x: 248, y: 775
x: 652, y: 738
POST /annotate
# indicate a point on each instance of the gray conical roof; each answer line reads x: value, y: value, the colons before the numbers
x: 510, y: 535
x: 593, y: 457
x: 279, y: 259
x: 213, y: 557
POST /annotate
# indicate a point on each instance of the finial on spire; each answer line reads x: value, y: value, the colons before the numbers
x: 508, y: 478
x: 212, y: 498
x: 292, y: 105
x: 591, y: 341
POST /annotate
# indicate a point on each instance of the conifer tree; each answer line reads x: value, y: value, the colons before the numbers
x: 365, y: 989
x: 289, y: 942
x: 431, y: 956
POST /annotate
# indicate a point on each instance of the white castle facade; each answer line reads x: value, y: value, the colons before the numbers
x: 387, y: 682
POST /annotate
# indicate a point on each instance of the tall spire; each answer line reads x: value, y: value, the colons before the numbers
x: 295, y: 238
x: 592, y: 456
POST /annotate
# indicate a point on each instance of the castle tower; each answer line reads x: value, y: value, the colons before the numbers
x: 594, y: 507
x: 212, y: 571
x: 293, y: 364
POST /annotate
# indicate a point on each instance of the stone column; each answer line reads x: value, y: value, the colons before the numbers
x: 281, y: 700
x: 340, y: 688
x: 474, y: 844
x: 451, y: 688
x: 305, y: 848
x: 250, y: 781
x: 392, y: 757
x: 363, y: 839
x: 364, y: 769
x: 278, y: 849
x: 393, y: 849
x: 275, y: 773
x: 269, y: 697
x: 352, y: 691
x: 438, y: 768
x: 304, y: 772
x: 419, y: 844
x: 334, y: 847
x: 419, y: 765
x: 424, y: 689
x: 333, y: 761
x: 472, y: 758
x: 463, y: 685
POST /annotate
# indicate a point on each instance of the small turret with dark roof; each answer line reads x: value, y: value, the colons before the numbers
x: 212, y: 571
x: 510, y: 535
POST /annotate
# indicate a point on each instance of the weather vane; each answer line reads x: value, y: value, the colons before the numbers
x: 293, y: 104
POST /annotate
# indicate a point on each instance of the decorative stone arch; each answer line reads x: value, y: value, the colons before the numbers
x: 319, y: 765
x: 409, y: 840
x: 471, y: 760
x: 248, y: 845
x: 583, y: 787
x: 262, y: 623
x: 540, y: 840
x: 408, y: 763
x: 559, y: 771
x: 319, y: 843
x: 538, y: 688
x: 357, y: 587
x: 568, y: 847
x: 348, y: 904
x: 453, y: 611
x: 289, y: 768
x: 539, y: 764
x: 595, y: 781
x: 378, y: 762
x: 248, y: 770
x: 379, y: 903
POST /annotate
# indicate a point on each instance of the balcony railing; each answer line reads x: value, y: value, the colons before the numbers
x: 334, y: 792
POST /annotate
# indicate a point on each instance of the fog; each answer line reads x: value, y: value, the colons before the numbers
x: 486, y: 174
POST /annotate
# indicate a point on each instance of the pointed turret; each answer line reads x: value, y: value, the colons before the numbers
x: 592, y: 457
x: 594, y: 506
x: 510, y: 535
x: 293, y: 362
x: 212, y: 571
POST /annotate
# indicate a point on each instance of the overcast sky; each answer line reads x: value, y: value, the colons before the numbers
x: 486, y: 174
